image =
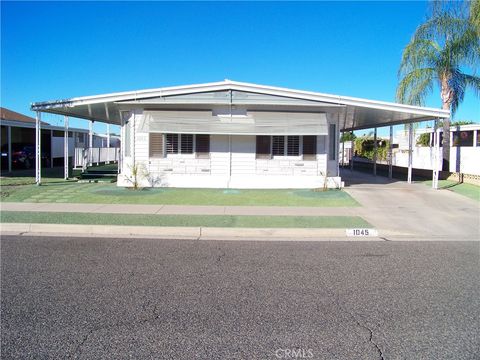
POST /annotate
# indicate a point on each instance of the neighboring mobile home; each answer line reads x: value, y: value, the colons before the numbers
x: 233, y: 135
x: 18, y: 132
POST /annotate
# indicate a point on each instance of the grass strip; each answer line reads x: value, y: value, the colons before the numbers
x: 329, y: 222
x: 113, y: 194
x: 469, y: 190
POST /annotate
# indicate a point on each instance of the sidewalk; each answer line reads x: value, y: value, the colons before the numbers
x: 182, y: 209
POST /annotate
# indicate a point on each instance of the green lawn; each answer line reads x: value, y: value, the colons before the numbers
x: 106, y: 193
x: 468, y: 190
x: 27, y: 177
x: 185, y: 220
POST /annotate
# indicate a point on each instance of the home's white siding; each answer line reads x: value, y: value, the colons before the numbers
x: 232, y: 164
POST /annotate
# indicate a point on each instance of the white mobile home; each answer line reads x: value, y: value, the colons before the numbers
x: 233, y: 135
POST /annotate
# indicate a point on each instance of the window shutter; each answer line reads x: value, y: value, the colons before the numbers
x: 293, y: 145
x: 278, y: 145
x: 156, y: 145
x: 309, y: 148
x: 263, y: 147
x: 186, y: 144
x: 202, y: 146
x: 172, y: 143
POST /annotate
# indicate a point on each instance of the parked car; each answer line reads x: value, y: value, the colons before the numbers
x: 23, y: 156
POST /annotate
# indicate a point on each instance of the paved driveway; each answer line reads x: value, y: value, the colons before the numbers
x: 413, y: 209
x: 154, y: 299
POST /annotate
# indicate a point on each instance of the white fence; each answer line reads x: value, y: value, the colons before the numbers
x: 84, y: 157
x: 462, y: 159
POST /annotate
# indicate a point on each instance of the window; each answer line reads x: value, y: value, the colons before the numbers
x: 172, y: 143
x: 332, y: 144
x: 156, y: 145
x: 263, y: 147
x: 309, y: 148
x: 186, y: 144
x: 293, y: 145
x: 202, y: 146
x: 278, y: 145
x: 463, y: 138
x: 286, y: 146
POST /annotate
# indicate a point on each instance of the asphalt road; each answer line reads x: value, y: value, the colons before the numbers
x: 93, y: 298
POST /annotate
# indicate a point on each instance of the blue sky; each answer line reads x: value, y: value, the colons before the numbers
x: 63, y: 49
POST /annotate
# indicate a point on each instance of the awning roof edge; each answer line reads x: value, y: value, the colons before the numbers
x: 233, y: 85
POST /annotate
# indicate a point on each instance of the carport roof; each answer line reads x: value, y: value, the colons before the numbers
x: 359, y: 113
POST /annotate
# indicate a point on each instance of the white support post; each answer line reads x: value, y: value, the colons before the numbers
x: 38, y: 152
x: 352, y: 150
x: 90, y: 142
x: 475, y: 138
x: 132, y: 138
x: 436, y: 143
x: 343, y: 133
x: 51, y: 149
x: 65, y: 148
x: 9, y: 145
x: 390, y: 154
x: 352, y: 153
x: 337, y: 147
x: 108, y: 143
x: 375, y: 152
x: 122, y: 143
x: 410, y: 146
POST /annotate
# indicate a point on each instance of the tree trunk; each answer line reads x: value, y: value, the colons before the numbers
x: 446, y: 141
x: 447, y: 97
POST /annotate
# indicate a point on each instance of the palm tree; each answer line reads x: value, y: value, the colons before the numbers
x: 440, y: 53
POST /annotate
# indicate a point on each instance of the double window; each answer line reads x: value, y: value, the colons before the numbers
x: 163, y: 144
x: 268, y: 146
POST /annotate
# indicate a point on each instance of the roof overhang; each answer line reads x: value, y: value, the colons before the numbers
x: 357, y: 113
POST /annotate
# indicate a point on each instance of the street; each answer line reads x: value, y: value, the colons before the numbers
x: 92, y: 298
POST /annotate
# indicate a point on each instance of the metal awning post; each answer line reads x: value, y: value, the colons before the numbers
x: 108, y: 143
x: 51, y: 149
x: 390, y: 154
x: 436, y: 144
x: 38, y: 152
x: 9, y: 142
x: 375, y: 152
x: 343, y: 136
x: 352, y: 153
x: 122, y: 143
x: 410, y: 146
x: 90, y: 142
x: 65, y: 148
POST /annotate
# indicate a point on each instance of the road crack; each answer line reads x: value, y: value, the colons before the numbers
x: 154, y: 316
x: 364, y: 326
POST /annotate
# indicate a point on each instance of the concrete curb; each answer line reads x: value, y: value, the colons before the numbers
x: 187, y: 233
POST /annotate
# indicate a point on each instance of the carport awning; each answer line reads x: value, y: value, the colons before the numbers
x: 358, y: 113
x: 254, y: 123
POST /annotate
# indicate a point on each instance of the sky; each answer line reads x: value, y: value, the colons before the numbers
x: 57, y: 50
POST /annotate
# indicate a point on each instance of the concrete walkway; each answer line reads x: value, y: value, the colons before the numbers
x: 394, y: 208
x: 181, y: 209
